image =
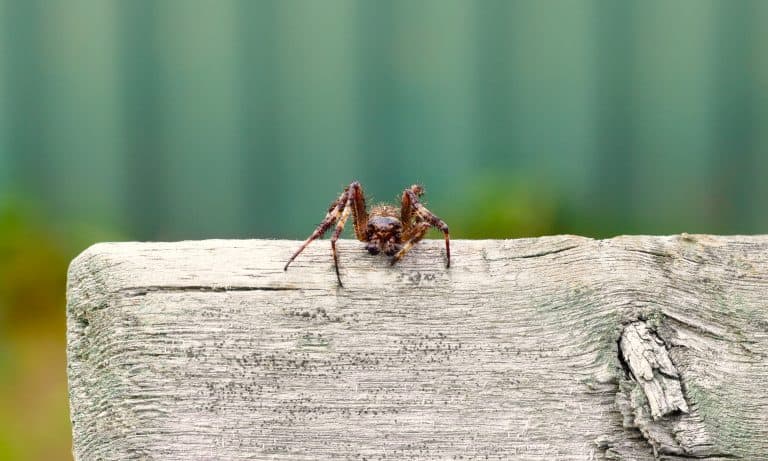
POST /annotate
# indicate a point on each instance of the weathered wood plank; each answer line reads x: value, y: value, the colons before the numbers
x: 549, y: 348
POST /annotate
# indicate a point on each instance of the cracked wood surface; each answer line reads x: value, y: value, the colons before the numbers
x: 549, y: 348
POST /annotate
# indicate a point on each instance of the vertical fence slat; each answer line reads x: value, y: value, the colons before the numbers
x: 317, y: 111
x: 6, y: 172
x: 673, y: 115
x: 733, y: 170
x: 759, y: 196
x: 81, y: 104
x: 198, y: 60
x: 259, y: 144
x: 613, y: 184
x: 380, y: 94
x: 434, y: 118
x: 144, y: 158
x: 25, y: 103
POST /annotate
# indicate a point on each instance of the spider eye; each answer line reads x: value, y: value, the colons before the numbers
x: 372, y: 249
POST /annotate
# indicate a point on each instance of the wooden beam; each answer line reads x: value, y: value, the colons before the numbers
x: 547, y: 348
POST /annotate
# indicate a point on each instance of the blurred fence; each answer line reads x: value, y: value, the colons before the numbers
x: 176, y: 119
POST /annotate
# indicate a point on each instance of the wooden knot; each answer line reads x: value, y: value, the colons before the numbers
x: 648, y: 360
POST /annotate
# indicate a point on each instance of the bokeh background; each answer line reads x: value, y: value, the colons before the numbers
x: 186, y: 119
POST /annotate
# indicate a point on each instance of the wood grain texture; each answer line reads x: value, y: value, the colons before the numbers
x: 209, y: 350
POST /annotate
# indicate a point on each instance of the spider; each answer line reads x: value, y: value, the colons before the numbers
x: 384, y: 228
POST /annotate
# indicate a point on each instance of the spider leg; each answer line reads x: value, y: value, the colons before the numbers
x: 412, y: 208
x: 336, y: 233
x: 331, y: 217
x: 359, y: 212
x: 418, y: 231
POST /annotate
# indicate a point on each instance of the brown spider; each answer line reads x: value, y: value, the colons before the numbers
x: 384, y: 228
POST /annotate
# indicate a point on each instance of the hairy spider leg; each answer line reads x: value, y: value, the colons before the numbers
x: 406, y: 209
x: 412, y: 206
x: 418, y: 231
x: 330, y: 218
x: 351, y: 200
x: 336, y: 233
x: 359, y: 212
x: 356, y: 205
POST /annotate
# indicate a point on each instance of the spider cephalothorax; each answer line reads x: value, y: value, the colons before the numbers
x: 385, y: 229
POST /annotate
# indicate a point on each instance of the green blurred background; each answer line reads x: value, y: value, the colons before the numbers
x: 165, y: 120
